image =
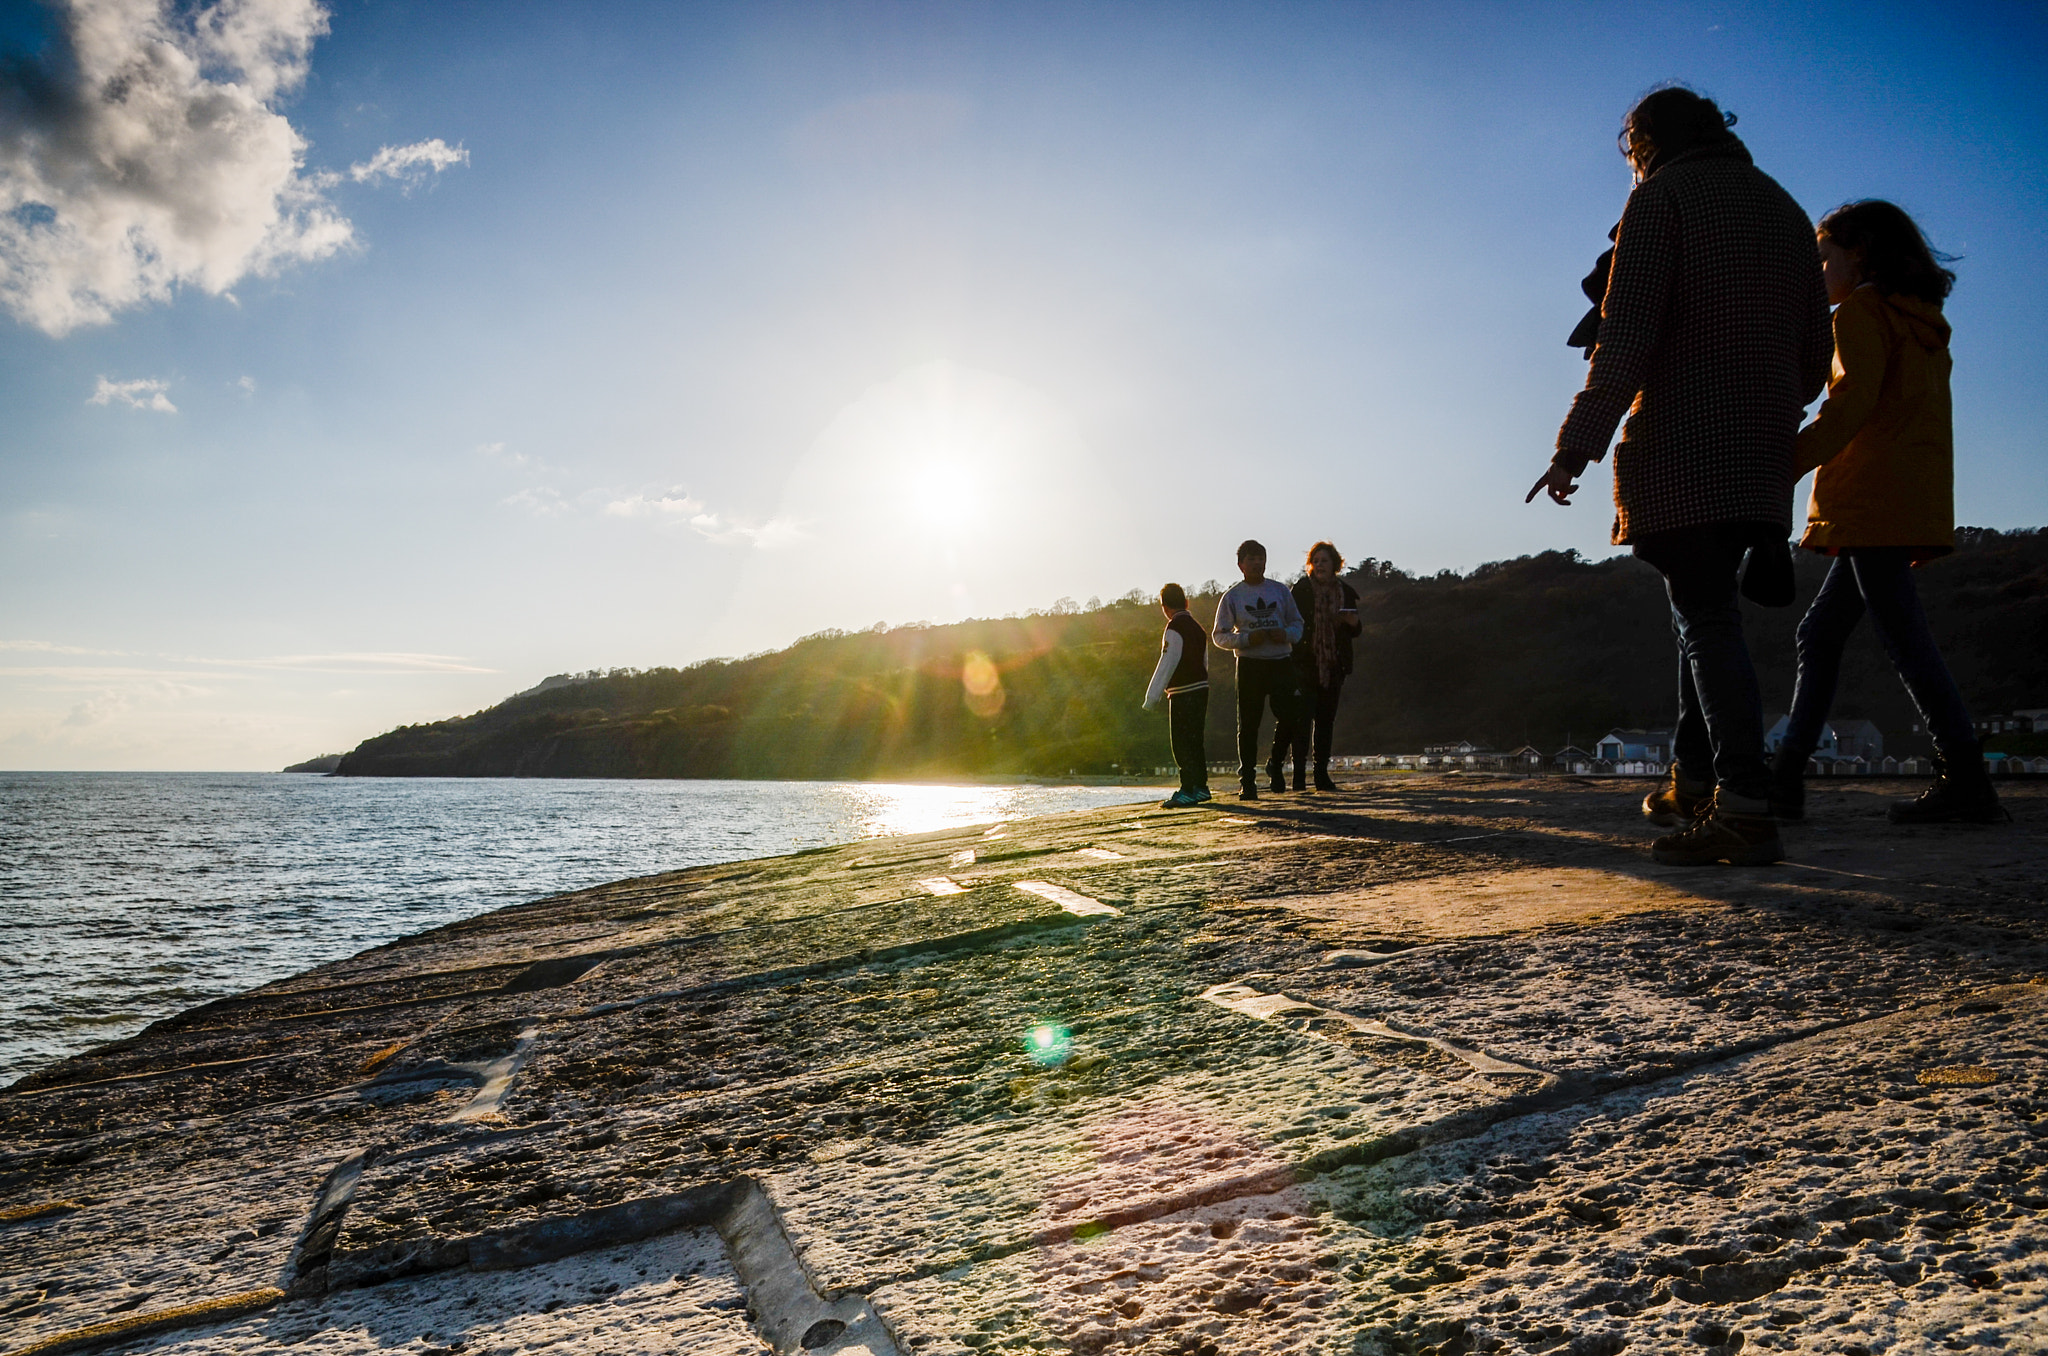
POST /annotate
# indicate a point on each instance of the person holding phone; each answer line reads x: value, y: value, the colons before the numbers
x: 1257, y: 621
x: 1322, y: 660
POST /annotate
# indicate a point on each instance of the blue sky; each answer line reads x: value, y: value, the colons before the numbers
x: 611, y: 334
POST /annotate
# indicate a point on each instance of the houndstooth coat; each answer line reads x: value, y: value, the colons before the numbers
x: 1714, y: 337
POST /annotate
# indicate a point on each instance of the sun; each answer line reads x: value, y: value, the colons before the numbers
x: 943, y: 495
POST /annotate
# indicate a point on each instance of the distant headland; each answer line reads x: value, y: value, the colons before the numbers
x: 1546, y: 650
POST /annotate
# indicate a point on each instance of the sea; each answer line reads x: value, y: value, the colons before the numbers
x: 126, y: 897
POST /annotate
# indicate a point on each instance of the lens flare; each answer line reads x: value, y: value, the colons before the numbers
x: 981, y: 685
x: 1048, y: 1045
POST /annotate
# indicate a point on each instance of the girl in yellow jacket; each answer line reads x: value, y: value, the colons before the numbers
x: 1883, y: 501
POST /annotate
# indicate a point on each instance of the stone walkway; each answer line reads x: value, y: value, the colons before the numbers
x: 1431, y: 1065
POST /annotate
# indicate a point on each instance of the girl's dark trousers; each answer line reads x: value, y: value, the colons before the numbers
x: 1877, y: 580
x: 1318, y: 705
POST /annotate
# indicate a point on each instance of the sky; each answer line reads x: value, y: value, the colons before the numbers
x: 364, y: 363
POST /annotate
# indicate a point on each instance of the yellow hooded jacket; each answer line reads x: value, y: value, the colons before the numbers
x: 1883, y: 442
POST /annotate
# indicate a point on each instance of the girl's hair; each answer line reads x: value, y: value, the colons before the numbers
x: 1309, y: 561
x: 1894, y: 252
x: 1669, y: 120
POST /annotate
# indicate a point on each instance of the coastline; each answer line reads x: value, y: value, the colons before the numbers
x: 1287, y: 1075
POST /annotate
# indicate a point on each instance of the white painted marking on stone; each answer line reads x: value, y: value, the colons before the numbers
x: 1308, y: 1019
x: 1233, y: 819
x: 1067, y: 899
x: 497, y: 1078
x: 964, y: 857
x: 791, y: 1315
x: 939, y: 885
x: 1103, y: 854
x: 995, y: 831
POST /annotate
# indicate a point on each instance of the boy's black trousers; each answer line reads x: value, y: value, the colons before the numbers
x: 1187, y: 716
x: 1263, y: 682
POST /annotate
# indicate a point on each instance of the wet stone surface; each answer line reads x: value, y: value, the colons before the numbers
x: 1426, y: 1065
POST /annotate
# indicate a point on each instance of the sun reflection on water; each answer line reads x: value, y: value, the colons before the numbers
x: 893, y: 809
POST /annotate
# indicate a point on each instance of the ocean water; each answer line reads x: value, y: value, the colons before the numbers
x: 125, y: 897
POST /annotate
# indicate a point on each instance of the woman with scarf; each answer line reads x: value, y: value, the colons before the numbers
x: 1329, y: 617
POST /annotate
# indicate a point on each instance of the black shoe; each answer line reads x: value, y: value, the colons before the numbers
x: 1278, y: 783
x: 1788, y: 786
x: 1677, y: 802
x: 1323, y: 782
x: 1300, y: 779
x: 1248, y: 790
x: 1961, y: 794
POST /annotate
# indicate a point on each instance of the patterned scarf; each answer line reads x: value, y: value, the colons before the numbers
x: 1329, y: 597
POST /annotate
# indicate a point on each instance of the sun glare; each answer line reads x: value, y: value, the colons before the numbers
x: 943, y: 495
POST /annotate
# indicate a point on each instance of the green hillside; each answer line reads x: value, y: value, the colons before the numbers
x: 1528, y: 650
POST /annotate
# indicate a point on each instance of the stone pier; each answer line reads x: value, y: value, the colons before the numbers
x: 1426, y: 1065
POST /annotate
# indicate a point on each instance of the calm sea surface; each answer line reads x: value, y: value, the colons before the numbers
x: 125, y: 897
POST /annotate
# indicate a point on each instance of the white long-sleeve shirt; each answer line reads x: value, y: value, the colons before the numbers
x: 1265, y: 606
x: 1169, y: 660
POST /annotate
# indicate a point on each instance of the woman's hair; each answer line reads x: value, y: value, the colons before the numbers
x: 1669, y: 120
x: 1309, y: 561
x: 1175, y: 597
x: 1893, y: 251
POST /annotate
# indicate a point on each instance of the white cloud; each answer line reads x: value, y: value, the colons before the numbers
x: 672, y: 505
x: 764, y: 536
x: 675, y: 506
x: 248, y: 385
x: 540, y: 501
x: 144, y: 393
x: 410, y: 165
x: 146, y: 153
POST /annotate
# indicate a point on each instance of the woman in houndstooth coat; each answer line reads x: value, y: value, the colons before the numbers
x: 1713, y: 338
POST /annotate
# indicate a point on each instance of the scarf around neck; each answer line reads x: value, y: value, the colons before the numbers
x: 1329, y: 595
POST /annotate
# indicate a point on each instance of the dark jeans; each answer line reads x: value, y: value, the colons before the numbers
x: 1878, y: 579
x: 1187, y: 715
x: 1261, y: 682
x: 1319, y: 711
x: 1720, y: 734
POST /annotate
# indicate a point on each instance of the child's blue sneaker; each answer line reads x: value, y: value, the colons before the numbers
x: 1179, y: 800
x: 1201, y: 795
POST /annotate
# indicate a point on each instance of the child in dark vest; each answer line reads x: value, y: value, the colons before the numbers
x: 1182, y: 681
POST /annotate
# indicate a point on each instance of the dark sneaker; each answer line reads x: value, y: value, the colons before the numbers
x: 1300, y: 780
x: 1323, y: 782
x: 1179, y: 800
x: 1200, y: 794
x: 1961, y: 794
x: 1676, y: 802
x: 1248, y: 791
x: 1738, y: 838
x: 1275, y: 780
x: 1788, y: 788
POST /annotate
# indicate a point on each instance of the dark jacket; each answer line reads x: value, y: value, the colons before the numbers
x: 1713, y: 339
x: 1305, y: 648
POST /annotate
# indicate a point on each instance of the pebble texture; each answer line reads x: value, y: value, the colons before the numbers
x: 1429, y: 1065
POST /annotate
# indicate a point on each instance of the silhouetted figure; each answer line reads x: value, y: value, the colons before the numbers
x: 1883, y: 501
x: 1181, y: 680
x: 1322, y: 660
x: 1713, y: 337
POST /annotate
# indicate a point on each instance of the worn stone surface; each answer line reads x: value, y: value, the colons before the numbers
x: 1434, y: 1064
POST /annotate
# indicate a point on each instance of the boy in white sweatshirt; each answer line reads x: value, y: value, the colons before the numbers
x: 1258, y: 621
x: 1181, y: 680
